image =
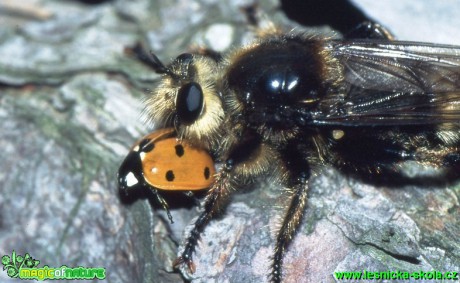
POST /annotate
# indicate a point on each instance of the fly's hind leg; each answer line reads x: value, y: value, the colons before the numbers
x: 446, y: 158
x: 440, y: 149
x: 452, y: 159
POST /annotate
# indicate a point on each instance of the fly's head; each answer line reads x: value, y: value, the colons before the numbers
x: 187, y: 98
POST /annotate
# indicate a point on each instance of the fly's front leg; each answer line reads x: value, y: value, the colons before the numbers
x: 246, y: 162
x: 217, y: 195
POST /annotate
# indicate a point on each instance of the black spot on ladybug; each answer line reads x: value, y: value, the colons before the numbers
x: 170, y: 176
x: 206, y: 173
x: 179, y: 150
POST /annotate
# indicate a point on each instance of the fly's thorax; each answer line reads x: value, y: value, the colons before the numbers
x: 275, y: 85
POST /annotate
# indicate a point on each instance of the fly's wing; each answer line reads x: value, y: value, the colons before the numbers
x: 395, y: 83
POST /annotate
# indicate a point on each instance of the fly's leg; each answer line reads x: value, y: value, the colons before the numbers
x: 290, y: 224
x: 445, y: 157
x: 299, y: 168
x: 217, y: 195
x: 248, y: 160
x: 369, y: 30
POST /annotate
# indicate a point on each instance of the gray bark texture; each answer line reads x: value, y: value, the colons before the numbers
x: 70, y: 108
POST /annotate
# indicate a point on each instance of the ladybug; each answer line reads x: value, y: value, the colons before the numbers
x: 160, y: 161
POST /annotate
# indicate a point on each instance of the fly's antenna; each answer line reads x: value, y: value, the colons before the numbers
x: 150, y: 59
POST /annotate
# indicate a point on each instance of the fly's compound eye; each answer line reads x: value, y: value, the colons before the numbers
x: 189, y: 103
x: 185, y: 58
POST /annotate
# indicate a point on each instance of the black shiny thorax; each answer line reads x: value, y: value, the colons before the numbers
x: 278, y: 80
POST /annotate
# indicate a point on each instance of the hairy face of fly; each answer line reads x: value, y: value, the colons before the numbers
x: 187, y: 99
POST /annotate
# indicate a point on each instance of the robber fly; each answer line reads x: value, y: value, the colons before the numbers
x: 289, y: 104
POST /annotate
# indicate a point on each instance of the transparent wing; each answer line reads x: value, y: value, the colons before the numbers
x: 395, y: 83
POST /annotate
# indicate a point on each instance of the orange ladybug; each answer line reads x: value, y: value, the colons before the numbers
x: 160, y: 161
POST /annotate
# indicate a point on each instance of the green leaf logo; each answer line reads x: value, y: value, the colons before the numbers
x: 13, y: 264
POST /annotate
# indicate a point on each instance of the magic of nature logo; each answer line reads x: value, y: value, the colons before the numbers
x: 26, y: 267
